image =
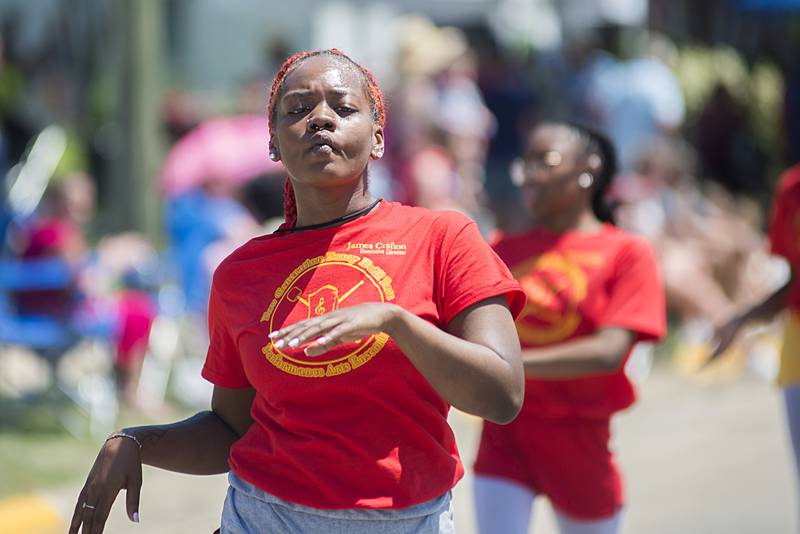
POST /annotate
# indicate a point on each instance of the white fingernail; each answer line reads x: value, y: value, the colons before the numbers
x: 273, y: 334
x: 322, y: 340
x: 278, y: 344
x: 293, y: 343
x: 135, y: 517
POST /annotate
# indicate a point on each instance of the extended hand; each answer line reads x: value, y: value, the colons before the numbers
x: 118, y: 466
x: 334, y: 328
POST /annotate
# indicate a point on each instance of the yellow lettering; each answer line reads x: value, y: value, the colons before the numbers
x: 386, y: 284
x: 338, y: 369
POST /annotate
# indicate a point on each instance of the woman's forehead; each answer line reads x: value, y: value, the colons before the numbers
x: 328, y: 71
x: 552, y: 137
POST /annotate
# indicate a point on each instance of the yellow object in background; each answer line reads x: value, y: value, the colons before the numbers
x: 29, y: 514
x: 789, y: 371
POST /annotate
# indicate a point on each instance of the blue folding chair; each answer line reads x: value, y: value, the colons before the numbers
x: 52, y: 337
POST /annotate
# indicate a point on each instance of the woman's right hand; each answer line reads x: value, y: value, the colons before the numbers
x: 118, y: 466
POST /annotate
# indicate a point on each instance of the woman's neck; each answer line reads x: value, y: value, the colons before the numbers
x: 582, y: 221
x: 319, y: 205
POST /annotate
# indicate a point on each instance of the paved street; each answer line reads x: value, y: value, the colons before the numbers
x: 698, y: 459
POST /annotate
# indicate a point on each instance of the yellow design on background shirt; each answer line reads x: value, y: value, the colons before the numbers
x: 555, y: 284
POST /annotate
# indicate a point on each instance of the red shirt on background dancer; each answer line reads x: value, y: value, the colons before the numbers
x: 784, y: 230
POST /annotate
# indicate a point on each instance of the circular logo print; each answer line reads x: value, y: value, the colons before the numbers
x: 555, y: 286
x: 318, y: 286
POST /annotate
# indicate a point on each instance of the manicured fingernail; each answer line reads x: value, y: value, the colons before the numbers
x: 278, y: 344
x: 322, y: 340
x: 273, y: 334
x: 135, y: 517
x: 308, y: 351
x: 293, y: 343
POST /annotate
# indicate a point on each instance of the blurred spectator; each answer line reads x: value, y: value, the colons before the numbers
x: 128, y: 266
x: 708, y: 243
x: 726, y: 146
x: 792, y: 109
x: 637, y: 101
x: 57, y: 232
x: 197, y: 219
x: 441, y: 123
x: 510, y: 98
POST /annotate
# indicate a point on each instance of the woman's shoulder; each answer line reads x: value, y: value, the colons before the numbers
x: 630, y: 245
x: 261, y: 247
x: 436, y: 219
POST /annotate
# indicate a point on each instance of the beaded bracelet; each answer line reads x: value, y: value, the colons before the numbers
x: 124, y: 435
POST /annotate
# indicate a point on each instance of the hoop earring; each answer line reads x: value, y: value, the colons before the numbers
x: 585, y: 180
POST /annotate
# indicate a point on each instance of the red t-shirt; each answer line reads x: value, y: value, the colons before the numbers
x: 577, y: 284
x: 358, y: 427
x: 784, y: 231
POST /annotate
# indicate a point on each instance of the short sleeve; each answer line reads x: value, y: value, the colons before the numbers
x: 636, y: 294
x: 223, y: 365
x: 473, y: 272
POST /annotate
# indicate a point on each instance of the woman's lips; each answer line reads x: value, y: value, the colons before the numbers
x: 322, y: 149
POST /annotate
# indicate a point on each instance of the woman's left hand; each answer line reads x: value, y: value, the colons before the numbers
x: 337, y: 327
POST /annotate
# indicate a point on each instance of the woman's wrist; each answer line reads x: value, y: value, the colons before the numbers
x: 395, y: 319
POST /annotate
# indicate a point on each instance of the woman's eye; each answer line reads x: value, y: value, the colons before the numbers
x: 298, y: 110
x: 344, y: 110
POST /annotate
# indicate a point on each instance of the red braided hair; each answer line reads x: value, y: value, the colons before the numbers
x: 373, y: 93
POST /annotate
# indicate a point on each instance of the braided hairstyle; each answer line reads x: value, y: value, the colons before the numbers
x: 596, y: 143
x: 371, y: 88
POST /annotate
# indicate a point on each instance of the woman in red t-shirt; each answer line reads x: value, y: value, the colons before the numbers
x: 593, y: 292
x: 337, y: 343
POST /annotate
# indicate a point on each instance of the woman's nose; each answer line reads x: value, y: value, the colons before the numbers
x: 321, y: 118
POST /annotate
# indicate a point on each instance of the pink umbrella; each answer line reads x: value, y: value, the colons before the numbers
x: 233, y: 149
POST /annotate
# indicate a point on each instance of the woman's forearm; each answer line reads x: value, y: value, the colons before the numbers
x: 470, y: 376
x: 198, y: 445
x: 770, y: 306
x: 601, y: 353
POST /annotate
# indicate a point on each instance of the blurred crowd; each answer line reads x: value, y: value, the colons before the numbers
x: 695, y: 176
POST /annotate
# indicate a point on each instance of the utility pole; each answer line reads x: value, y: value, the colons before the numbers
x: 135, y: 198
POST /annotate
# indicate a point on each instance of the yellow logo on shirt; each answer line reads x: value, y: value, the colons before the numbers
x: 318, y: 286
x: 555, y: 284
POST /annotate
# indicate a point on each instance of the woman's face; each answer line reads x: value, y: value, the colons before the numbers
x: 324, y: 130
x: 548, y: 172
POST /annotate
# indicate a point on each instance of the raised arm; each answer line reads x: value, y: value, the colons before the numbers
x: 198, y: 445
x: 474, y: 365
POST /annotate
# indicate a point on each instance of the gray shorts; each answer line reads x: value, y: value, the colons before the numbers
x: 249, y: 510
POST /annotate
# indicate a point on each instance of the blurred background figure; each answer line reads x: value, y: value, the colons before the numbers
x: 56, y: 231
x: 593, y: 293
x: 443, y: 125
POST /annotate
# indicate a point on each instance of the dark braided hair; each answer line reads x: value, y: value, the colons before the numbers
x: 596, y: 143
x: 373, y: 93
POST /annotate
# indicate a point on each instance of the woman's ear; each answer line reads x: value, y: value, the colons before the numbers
x: 377, y: 143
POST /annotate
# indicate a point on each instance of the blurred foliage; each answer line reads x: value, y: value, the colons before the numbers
x: 75, y: 157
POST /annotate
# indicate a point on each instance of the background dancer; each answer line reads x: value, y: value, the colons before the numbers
x: 593, y: 292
